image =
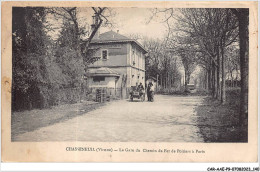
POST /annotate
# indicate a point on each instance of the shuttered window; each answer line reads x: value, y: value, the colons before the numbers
x: 104, y: 54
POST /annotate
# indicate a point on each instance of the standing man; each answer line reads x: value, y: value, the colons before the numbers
x: 150, y: 92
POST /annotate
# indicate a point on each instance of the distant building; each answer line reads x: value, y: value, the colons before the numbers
x: 121, y: 63
x: 233, y: 79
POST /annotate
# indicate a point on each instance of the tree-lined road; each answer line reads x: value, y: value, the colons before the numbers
x: 168, y: 119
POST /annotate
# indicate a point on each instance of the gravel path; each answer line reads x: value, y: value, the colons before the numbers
x: 168, y: 119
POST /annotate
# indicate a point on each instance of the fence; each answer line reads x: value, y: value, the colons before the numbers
x: 44, y: 97
x: 101, y: 94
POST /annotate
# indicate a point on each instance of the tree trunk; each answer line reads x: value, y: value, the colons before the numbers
x: 218, y: 75
x: 213, y: 80
x: 236, y: 76
x: 209, y: 79
x: 232, y: 82
x: 216, y: 82
x: 206, y: 80
x: 242, y: 16
x: 165, y: 81
x: 157, y: 82
x: 223, y: 76
x: 186, y: 80
x: 161, y: 81
x: 243, y: 42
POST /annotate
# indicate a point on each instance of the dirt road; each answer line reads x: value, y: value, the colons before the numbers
x: 168, y: 119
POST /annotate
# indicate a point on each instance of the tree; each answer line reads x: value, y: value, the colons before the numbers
x: 242, y: 15
x: 72, y: 50
x: 188, y: 58
x: 163, y: 63
x: 232, y: 65
x: 214, y: 30
x: 45, y: 69
x: 70, y: 17
x: 30, y: 61
x: 209, y: 31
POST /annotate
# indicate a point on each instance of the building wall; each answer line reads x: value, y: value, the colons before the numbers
x: 109, y: 82
x: 120, y: 58
x: 137, y: 63
x: 137, y: 76
x: 120, y: 54
x: 137, y: 57
x: 122, y: 71
x: 117, y: 54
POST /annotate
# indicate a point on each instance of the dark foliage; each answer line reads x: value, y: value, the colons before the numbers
x: 44, y: 73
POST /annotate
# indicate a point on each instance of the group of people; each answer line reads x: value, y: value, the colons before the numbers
x: 150, y: 90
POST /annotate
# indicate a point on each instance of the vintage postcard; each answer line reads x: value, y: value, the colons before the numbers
x: 129, y: 81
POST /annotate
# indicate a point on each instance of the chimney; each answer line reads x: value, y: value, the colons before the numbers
x: 95, y: 24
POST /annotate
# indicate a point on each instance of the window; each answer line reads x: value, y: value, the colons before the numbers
x: 104, y: 54
x: 133, y: 55
x: 98, y: 78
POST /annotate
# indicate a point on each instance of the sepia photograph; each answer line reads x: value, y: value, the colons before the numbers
x: 129, y: 74
x: 119, y: 79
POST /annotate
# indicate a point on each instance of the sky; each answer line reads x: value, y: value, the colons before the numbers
x: 136, y: 21
x: 128, y: 21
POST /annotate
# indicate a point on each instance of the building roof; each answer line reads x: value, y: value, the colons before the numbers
x: 114, y: 37
x: 109, y: 36
x: 102, y: 71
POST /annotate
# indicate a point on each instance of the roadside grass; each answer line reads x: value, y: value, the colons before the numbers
x: 220, y: 123
x: 26, y: 121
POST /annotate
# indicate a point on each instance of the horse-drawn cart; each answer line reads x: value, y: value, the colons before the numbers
x: 138, y: 93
